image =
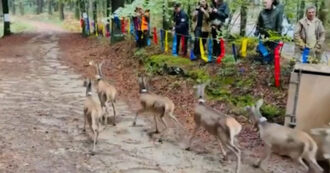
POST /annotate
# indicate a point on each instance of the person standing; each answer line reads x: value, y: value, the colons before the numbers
x: 201, y: 25
x: 309, y: 33
x: 181, y: 27
x: 219, y: 13
x: 269, y: 21
x: 145, y: 19
x: 137, y: 18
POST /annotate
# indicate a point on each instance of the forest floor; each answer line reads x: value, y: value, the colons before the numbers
x: 41, y: 77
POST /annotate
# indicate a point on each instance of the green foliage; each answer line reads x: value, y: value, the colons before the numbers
x: 271, y: 111
x: 156, y: 63
x: 199, y: 75
x: 171, y: 60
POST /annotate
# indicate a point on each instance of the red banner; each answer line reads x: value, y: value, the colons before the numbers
x: 182, y: 43
x: 155, y: 36
x: 223, y: 51
x: 123, y: 26
x: 277, y: 65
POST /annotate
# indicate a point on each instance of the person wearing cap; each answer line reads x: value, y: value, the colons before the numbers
x: 181, y: 27
x: 309, y: 33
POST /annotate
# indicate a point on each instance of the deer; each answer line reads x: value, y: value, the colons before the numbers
x: 324, y: 134
x: 223, y: 127
x: 93, y: 113
x: 160, y: 106
x: 296, y: 144
x: 106, y: 92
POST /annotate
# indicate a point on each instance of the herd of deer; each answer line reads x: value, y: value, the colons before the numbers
x: 278, y: 139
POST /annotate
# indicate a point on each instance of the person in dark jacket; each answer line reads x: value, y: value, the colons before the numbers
x: 219, y: 13
x: 181, y: 27
x: 270, y: 20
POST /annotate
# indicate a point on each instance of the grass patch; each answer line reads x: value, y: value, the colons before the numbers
x: 17, y: 27
x: 171, y: 61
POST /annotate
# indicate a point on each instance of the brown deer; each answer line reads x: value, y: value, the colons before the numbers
x: 106, y: 92
x: 92, y: 113
x: 324, y: 135
x: 282, y: 140
x: 160, y: 106
x: 225, y: 128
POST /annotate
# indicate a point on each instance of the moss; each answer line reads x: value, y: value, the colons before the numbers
x: 199, y: 75
x: 171, y: 60
x: 271, y: 111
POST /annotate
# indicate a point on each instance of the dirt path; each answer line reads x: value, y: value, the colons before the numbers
x: 41, y: 122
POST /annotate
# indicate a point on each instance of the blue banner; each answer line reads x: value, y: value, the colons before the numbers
x: 305, y: 55
x: 175, y: 43
x: 210, y: 49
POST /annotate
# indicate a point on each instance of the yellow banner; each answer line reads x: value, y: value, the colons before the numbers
x: 166, y: 41
x: 96, y: 29
x: 201, y: 48
x: 244, y: 47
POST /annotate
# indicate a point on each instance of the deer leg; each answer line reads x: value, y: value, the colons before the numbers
x: 164, y: 123
x: 155, y: 118
x: 314, y: 164
x: 114, y: 113
x: 237, y: 154
x: 301, y: 162
x: 175, y: 119
x: 192, y: 136
x: 266, y: 157
x: 85, y: 121
x: 223, y: 151
x: 106, y: 114
x: 137, y: 113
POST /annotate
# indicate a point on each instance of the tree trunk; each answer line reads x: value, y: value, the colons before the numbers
x: 41, y: 6
x: 95, y: 16
x: 71, y: 5
x: 55, y: 4
x: 5, y: 9
x: 77, y: 9
x: 61, y: 10
x: 115, y: 4
x: 50, y: 4
x: 323, y: 12
x: 301, y: 10
x: 108, y: 7
x: 165, y: 5
x: 13, y: 7
x: 21, y: 8
x: 83, y: 10
x: 38, y: 10
x: 243, y: 19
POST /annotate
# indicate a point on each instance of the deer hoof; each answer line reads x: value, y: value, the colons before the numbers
x: 188, y: 148
x: 256, y: 165
x: 134, y: 123
x: 114, y: 124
